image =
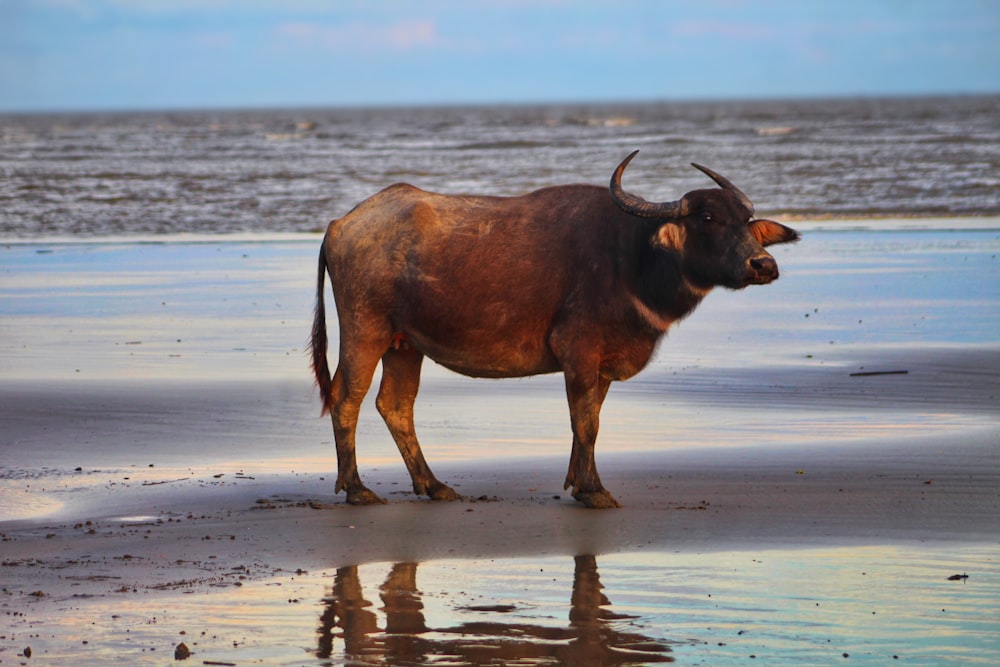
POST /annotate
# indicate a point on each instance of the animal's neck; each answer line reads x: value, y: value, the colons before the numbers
x: 664, y: 295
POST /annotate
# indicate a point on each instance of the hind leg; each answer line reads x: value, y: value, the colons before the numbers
x: 350, y: 384
x: 398, y: 391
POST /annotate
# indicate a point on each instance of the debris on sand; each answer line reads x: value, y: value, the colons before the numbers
x: 861, y: 374
x: 182, y: 652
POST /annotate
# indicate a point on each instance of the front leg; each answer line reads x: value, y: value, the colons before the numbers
x: 586, y: 393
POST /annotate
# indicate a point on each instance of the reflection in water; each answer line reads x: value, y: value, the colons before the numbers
x: 591, y: 637
x: 880, y: 605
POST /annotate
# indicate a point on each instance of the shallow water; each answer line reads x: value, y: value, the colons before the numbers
x: 242, y: 308
x: 868, y: 605
x: 213, y: 335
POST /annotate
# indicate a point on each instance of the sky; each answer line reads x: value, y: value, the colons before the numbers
x: 58, y: 55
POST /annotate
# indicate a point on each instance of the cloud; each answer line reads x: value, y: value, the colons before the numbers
x: 361, y: 36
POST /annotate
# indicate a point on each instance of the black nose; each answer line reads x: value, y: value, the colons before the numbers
x: 764, y: 269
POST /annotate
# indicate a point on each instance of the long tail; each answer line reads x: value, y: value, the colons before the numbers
x: 318, y: 340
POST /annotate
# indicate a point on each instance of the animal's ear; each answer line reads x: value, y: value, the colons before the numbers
x: 769, y: 232
x: 670, y: 236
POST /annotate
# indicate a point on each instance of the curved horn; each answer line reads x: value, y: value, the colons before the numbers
x: 637, y: 205
x: 725, y: 184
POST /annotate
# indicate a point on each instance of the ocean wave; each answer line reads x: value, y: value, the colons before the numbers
x: 289, y: 171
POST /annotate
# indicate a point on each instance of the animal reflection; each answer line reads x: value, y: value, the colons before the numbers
x: 590, y: 639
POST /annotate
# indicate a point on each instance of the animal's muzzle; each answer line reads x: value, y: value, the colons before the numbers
x: 762, y: 270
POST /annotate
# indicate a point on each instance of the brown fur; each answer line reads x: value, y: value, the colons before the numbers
x: 557, y: 280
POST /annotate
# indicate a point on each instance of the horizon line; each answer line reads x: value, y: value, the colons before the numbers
x: 471, y: 104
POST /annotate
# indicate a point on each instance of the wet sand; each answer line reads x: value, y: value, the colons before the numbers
x: 161, y: 448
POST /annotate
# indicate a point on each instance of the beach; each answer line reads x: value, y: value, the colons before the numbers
x: 802, y: 467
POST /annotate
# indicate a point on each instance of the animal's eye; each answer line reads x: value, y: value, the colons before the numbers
x: 706, y: 216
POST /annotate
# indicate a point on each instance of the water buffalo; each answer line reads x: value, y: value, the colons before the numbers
x: 575, y: 278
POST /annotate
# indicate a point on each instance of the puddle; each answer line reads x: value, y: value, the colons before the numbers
x: 19, y: 501
x: 863, y: 605
x: 519, y: 612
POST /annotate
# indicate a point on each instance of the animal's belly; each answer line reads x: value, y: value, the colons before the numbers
x: 488, y: 357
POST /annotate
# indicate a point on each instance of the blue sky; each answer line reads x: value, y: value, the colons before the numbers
x: 154, y: 54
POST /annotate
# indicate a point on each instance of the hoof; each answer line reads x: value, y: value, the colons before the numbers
x: 441, y: 491
x: 597, y: 500
x: 364, y: 496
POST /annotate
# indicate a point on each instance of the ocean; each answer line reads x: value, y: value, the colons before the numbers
x: 95, y: 175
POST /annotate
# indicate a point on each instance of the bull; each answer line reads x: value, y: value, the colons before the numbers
x: 575, y: 278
